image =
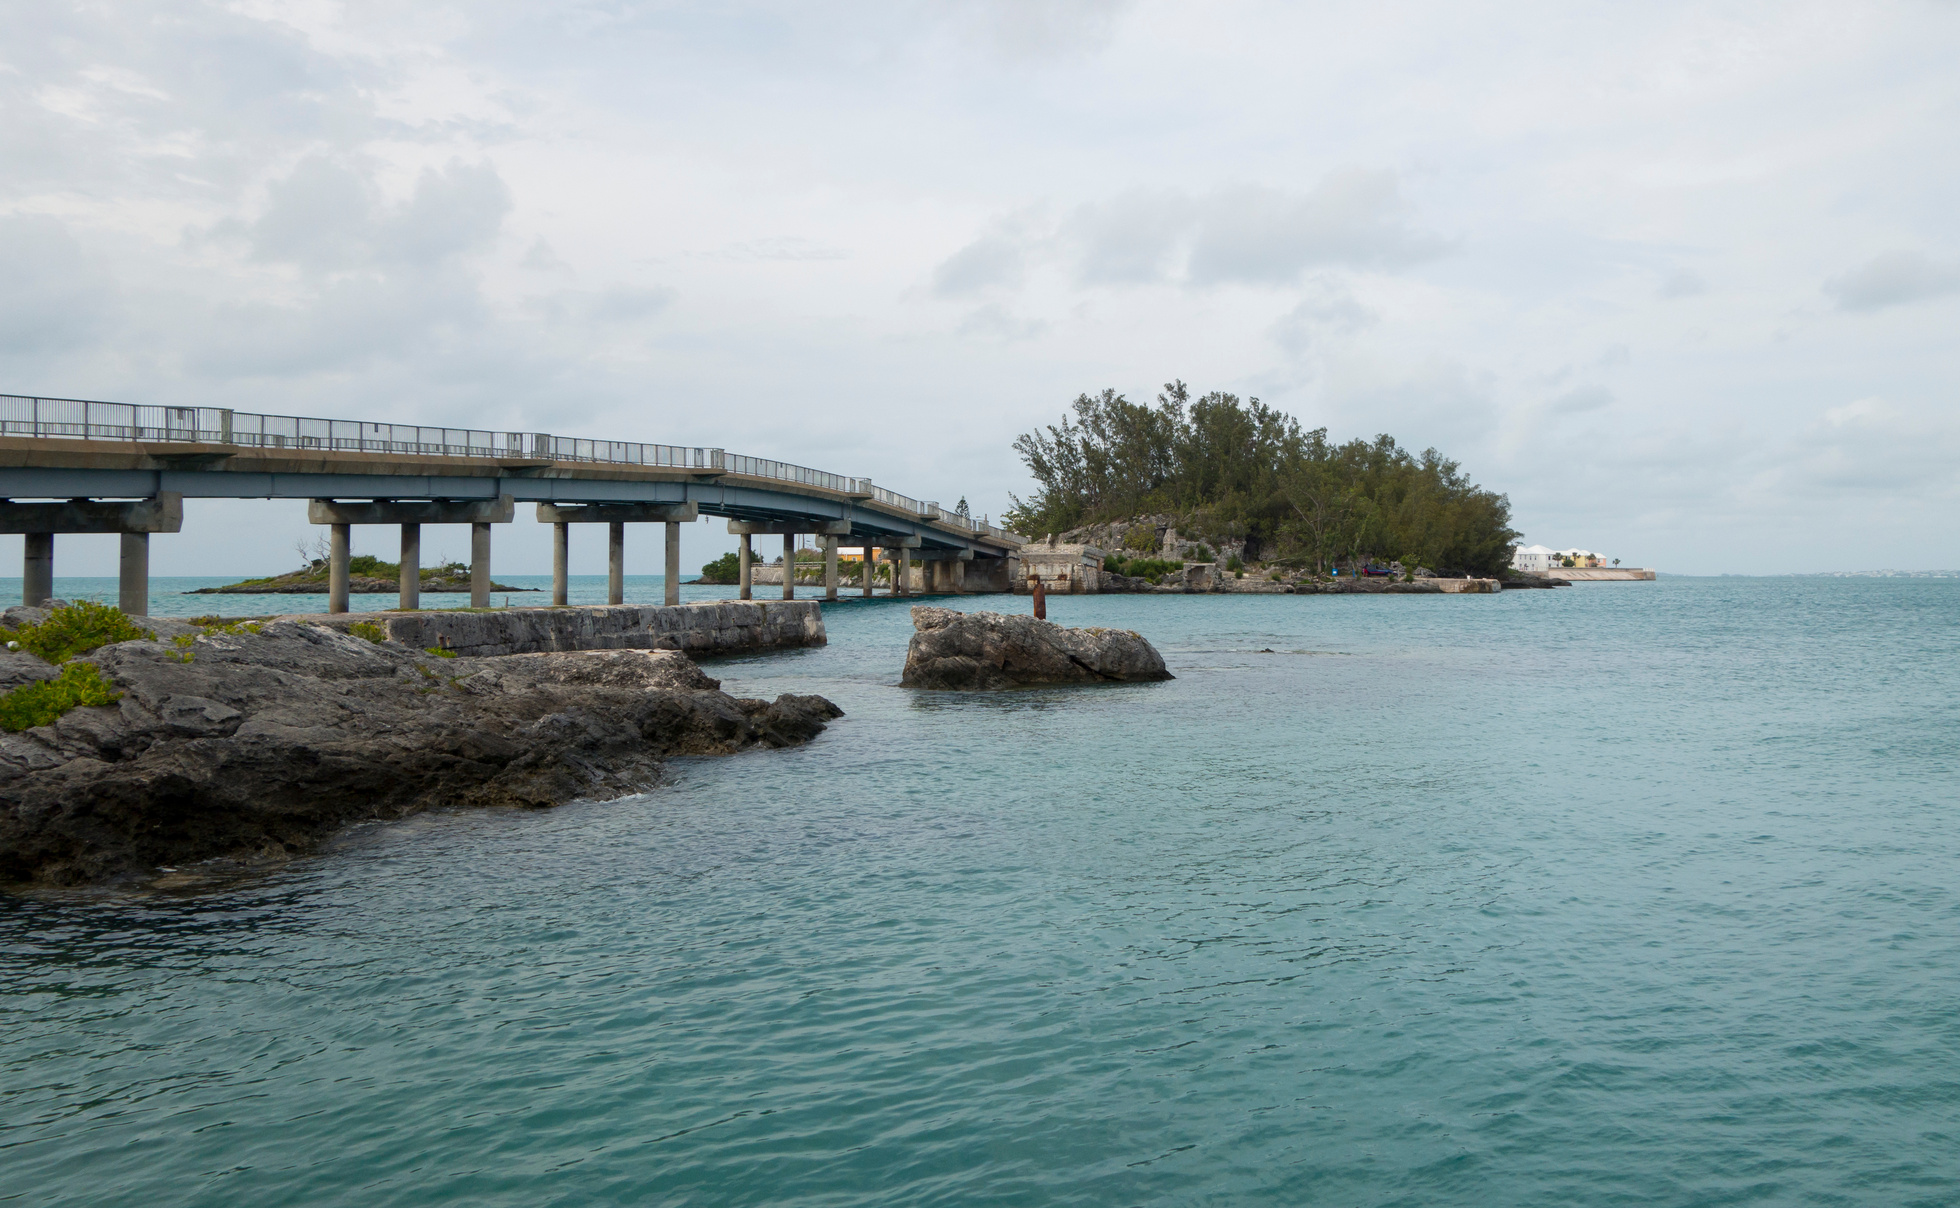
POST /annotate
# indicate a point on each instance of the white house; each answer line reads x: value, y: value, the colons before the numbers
x: 1533, y: 557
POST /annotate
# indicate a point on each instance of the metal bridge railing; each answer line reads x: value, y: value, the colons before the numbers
x: 81, y: 419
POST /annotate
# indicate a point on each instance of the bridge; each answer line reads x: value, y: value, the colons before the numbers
x: 121, y: 468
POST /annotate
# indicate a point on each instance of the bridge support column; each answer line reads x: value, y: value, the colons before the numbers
x: 411, y: 588
x: 789, y: 566
x: 746, y: 578
x: 37, y: 570
x: 133, y: 575
x: 830, y: 568
x: 673, y: 567
x: 869, y: 573
x: 339, y: 541
x: 561, y: 565
x: 616, y: 562
x: 479, y: 566
x: 901, y: 573
x: 959, y: 577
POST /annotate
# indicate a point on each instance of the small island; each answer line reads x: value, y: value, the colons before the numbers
x: 366, y: 575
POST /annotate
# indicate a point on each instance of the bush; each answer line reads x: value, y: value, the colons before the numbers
x: 1234, y: 565
x: 76, y: 629
x: 1141, y: 539
x: 369, y: 630
x: 1204, y: 554
x: 38, y: 704
x: 725, y: 569
x: 439, y: 652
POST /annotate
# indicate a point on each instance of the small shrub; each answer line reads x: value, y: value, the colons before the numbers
x: 439, y: 652
x: 39, y: 703
x: 221, y: 625
x: 1142, y: 540
x: 77, y: 629
x: 369, y: 630
x: 1234, y: 565
x: 1204, y: 554
x: 725, y: 569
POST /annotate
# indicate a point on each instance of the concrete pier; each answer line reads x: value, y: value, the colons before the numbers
x: 747, y: 559
x: 479, y: 566
x: 672, y: 570
x: 616, y: 562
x: 830, y: 568
x: 133, y: 575
x: 37, y: 573
x: 870, y: 570
x: 615, y: 516
x: 341, y: 515
x: 340, y: 543
x: 39, y: 522
x: 561, y: 557
x: 411, y: 576
x: 789, y: 566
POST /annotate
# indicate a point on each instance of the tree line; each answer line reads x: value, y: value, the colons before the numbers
x: 1232, y: 469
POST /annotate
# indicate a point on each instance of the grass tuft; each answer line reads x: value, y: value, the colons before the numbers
x: 369, y: 630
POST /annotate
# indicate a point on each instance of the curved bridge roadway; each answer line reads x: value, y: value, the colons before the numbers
x: 119, y: 468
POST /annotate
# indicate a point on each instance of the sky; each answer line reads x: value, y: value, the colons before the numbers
x: 1682, y: 280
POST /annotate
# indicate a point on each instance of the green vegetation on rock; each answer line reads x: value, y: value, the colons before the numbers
x: 723, y: 570
x: 76, y: 629
x: 1152, y: 569
x: 369, y: 630
x: 1232, y: 469
x: 40, y: 703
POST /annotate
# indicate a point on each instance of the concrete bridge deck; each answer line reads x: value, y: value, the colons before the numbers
x: 356, y: 472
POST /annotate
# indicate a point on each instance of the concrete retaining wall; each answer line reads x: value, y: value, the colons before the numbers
x: 705, y: 628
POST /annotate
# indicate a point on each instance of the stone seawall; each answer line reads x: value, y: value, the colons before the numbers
x: 706, y: 628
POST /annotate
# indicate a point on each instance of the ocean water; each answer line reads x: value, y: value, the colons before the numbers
x: 1621, y: 894
x: 171, y: 596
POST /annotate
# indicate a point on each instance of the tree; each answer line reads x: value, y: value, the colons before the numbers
x: 1241, y: 469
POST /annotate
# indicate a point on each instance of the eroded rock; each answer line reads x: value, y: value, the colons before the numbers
x: 976, y: 651
x: 263, y: 743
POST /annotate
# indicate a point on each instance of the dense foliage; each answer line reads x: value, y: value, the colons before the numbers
x: 1232, y: 469
x: 40, y: 703
x: 725, y: 569
x: 77, y: 628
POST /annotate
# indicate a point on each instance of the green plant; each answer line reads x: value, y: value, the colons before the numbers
x: 221, y: 625
x: 725, y: 569
x: 369, y: 630
x: 1140, y: 539
x: 439, y: 652
x: 39, y: 703
x: 1204, y: 554
x: 77, y: 629
x: 1236, y: 566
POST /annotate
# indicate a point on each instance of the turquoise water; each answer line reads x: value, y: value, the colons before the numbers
x: 1621, y: 894
x: 168, y: 596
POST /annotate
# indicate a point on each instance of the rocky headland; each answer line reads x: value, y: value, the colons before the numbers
x: 255, y: 741
x: 977, y: 651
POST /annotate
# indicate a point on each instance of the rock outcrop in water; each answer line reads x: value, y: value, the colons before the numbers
x: 259, y: 742
x: 973, y: 651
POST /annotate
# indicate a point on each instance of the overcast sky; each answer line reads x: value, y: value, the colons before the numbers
x: 1681, y: 279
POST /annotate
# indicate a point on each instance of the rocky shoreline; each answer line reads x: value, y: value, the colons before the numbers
x: 255, y: 741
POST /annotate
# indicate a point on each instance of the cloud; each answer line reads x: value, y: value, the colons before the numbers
x: 1893, y: 279
x: 1243, y: 235
x: 998, y: 258
x: 55, y: 297
x: 1263, y: 235
x: 993, y: 321
x: 326, y: 216
x: 1581, y: 399
x: 1328, y: 307
x: 1683, y: 283
x: 1041, y: 29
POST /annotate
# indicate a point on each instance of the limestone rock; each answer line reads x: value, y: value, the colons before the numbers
x: 971, y: 651
x: 263, y: 743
